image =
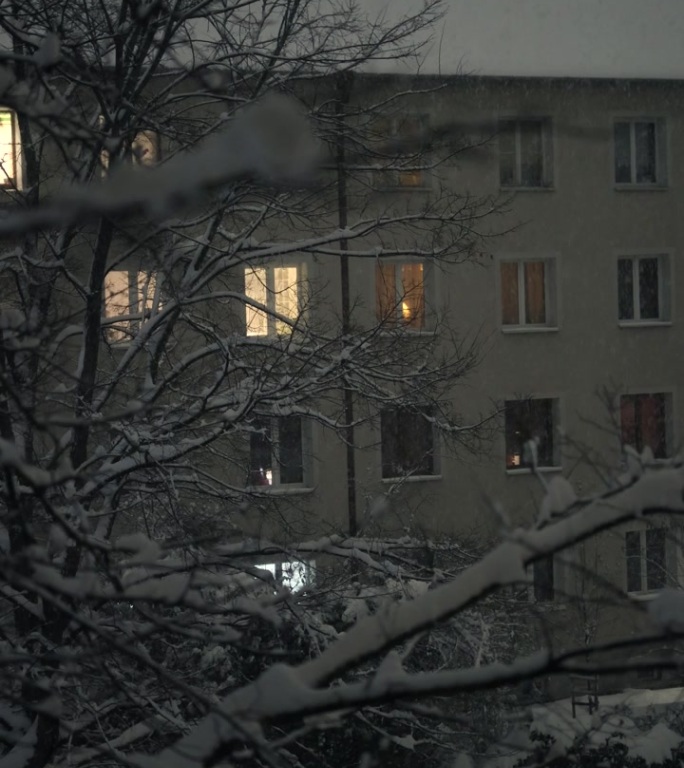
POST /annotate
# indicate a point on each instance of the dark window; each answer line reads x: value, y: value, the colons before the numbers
x: 543, y: 579
x: 645, y: 559
x: 527, y: 420
x: 638, y: 145
x: 640, y: 283
x: 524, y: 153
x: 275, y: 452
x: 643, y: 422
x: 407, y: 443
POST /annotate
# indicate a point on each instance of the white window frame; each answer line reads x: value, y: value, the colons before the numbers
x: 428, y: 295
x: 274, y: 327
x: 390, y: 179
x: 547, y: 152
x: 660, y: 132
x: 664, y: 289
x: 550, y: 293
x: 645, y: 588
x: 556, y: 421
x: 13, y: 180
x: 294, y: 575
x: 275, y: 483
x: 143, y: 300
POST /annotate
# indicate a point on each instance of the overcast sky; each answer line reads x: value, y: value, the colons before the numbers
x: 600, y: 38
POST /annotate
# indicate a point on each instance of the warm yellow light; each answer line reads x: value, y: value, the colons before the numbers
x: 406, y: 311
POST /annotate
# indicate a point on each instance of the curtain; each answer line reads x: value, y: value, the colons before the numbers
x: 509, y: 293
x: 385, y: 292
x: 413, y: 295
x: 535, y: 293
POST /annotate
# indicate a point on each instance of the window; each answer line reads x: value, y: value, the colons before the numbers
x: 128, y: 298
x: 645, y: 559
x: 644, y: 288
x: 274, y: 296
x: 400, y: 294
x: 640, y: 152
x: 277, y: 452
x: 643, y: 422
x: 527, y: 292
x: 543, y: 582
x: 531, y: 420
x: 294, y: 575
x: 525, y: 153
x: 407, y: 443
x: 143, y: 150
x: 400, y: 141
x: 9, y: 150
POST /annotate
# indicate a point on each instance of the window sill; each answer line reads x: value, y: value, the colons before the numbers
x: 644, y: 596
x: 412, y: 479
x: 402, y: 189
x: 513, y: 329
x: 640, y: 187
x: 528, y: 471
x: 280, y: 490
x: 405, y: 331
x: 644, y: 324
x: 542, y: 188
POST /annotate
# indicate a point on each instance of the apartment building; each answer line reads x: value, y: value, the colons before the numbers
x: 574, y: 304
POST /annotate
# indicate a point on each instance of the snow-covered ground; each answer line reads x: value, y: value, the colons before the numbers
x: 635, y: 717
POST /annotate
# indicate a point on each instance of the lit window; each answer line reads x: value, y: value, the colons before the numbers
x: 528, y: 292
x: 277, y: 454
x: 527, y: 422
x: 400, y: 294
x: 400, y: 143
x: 274, y: 300
x: 9, y: 150
x: 643, y: 422
x: 644, y: 288
x: 645, y: 556
x: 525, y: 153
x: 293, y: 575
x: 640, y: 152
x: 129, y: 297
x: 407, y: 443
x: 142, y: 151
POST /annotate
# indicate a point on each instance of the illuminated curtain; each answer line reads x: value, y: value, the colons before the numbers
x: 286, y: 297
x: 509, y: 293
x: 385, y: 292
x: 535, y: 296
x: 117, y: 303
x: 413, y: 295
x: 256, y: 321
x: 7, y: 150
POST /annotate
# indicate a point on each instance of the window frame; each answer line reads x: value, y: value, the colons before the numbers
x: 278, y: 570
x: 551, y: 308
x: 121, y: 329
x: 668, y: 421
x: 275, y: 428
x: 642, y: 560
x: 556, y: 459
x: 665, y: 283
x: 661, y: 152
x: 15, y: 182
x: 269, y: 313
x: 404, y: 445
x: 390, y: 179
x: 547, y: 152
x: 396, y: 320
